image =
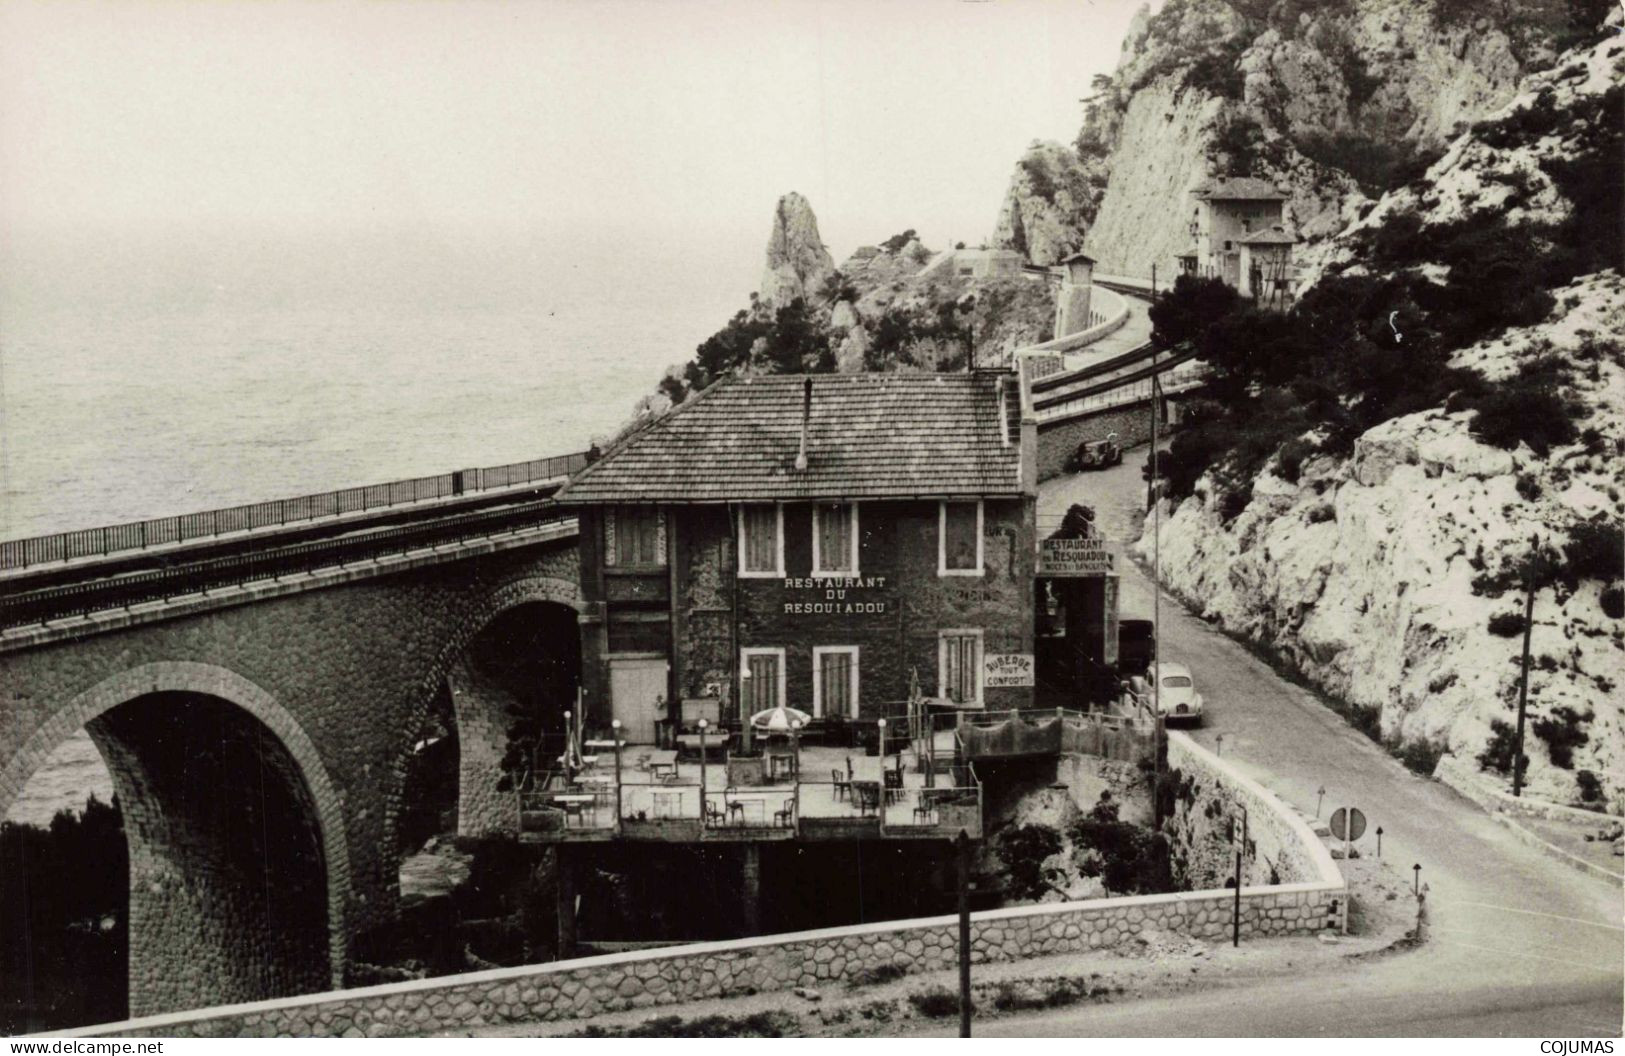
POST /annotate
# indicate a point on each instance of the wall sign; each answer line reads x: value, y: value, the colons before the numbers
x: 836, y: 595
x: 1076, y: 557
x: 1007, y: 669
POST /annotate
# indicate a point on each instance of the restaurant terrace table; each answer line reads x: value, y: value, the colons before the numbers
x: 866, y: 794
x: 582, y: 802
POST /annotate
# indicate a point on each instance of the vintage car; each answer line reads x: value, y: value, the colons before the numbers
x: 1175, y: 699
x: 1098, y: 454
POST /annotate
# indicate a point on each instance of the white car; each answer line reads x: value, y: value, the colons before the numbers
x: 1176, y: 694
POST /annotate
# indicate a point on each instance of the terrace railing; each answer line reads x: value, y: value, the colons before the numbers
x: 164, y: 531
x: 1013, y: 734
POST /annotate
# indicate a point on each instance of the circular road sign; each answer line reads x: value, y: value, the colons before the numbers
x: 1347, y: 824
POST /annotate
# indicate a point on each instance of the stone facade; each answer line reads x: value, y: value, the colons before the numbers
x: 341, y: 677
x: 651, y: 978
x: 892, y: 610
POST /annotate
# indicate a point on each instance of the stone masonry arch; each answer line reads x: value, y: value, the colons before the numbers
x: 292, y: 754
x: 481, y: 727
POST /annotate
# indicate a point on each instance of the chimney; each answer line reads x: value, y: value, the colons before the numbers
x: 806, y: 417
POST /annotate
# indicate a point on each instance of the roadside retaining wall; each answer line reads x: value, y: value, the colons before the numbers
x: 1464, y: 776
x: 1281, y: 848
x: 649, y: 978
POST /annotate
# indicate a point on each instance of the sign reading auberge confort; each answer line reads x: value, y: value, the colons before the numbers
x: 836, y: 595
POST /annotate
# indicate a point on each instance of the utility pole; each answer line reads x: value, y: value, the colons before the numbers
x: 1523, y: 679
x: 1156, y: 552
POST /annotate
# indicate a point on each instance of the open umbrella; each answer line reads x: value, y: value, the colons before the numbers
x: 779, y: 720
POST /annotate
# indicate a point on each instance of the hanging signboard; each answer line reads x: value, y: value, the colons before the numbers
x: 1007, y: 669
x: 1076, y: 557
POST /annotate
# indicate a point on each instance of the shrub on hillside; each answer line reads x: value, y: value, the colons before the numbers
x: 1563, y: 731
x: 1506, y: 624
x: 1501, y: 749
x: 1613, y: 602
x: 1590, y: 786
x: 1595, y: 550
x: 1023, y: 850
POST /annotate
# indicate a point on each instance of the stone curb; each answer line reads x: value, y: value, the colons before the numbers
x: 1553, y: 851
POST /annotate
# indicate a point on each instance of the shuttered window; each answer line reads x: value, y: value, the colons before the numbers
x: 635, y: 536
x: 960, y: 657
x: 759, y: 546
x: 960, y: 544
x: 835, y: 674
x: 834, y: 532
x: 763, y: 670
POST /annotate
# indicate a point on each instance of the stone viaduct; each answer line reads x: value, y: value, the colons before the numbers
x: 259, y: 741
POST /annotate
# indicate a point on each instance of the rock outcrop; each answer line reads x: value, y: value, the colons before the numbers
x: 1390, y: 577
x: 1327, y: 100
x: 1053, y: 197
x: 797, y: 262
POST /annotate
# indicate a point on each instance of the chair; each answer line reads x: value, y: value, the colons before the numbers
x: 925, y: 812
x: 893, y: 781
x: 573, y: 810
x: 713, y: 816
x: 785, y: 816
x: 843, y: 785
x: 868, y: 798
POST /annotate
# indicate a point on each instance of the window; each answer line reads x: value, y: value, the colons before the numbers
x: 959, y: 539
x: 761, y: 679
x: 634, y: 536
x: 959, y: 666
x: 835, y: 539
x: 835, y: 681
x: 1176, y: 682
x: 761, y: 541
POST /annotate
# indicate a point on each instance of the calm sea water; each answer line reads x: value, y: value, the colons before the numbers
x: 142, y: 376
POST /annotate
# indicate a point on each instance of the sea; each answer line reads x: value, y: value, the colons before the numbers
x: 151, y: 373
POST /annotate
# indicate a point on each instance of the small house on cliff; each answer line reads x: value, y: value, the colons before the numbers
x: 1238, y: 235
x: 815, y: 541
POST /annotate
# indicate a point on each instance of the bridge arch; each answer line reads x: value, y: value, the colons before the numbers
x: 186, y: 924
x: 481, y: 720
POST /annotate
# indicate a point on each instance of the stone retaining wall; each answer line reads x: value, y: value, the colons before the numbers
x: 1281, y: 846
x: 650, y: 978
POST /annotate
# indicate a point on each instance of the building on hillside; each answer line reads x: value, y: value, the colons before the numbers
x: 1228, y: 230
x: 823, y: 542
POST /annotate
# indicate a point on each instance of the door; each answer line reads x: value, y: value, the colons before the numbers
x: 637, y: 690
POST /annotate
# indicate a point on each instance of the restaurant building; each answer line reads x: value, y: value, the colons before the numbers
x: 825, y: 542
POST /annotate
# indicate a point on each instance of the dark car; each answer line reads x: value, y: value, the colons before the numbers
x: 1136, y: 646
x: 1098, y: 454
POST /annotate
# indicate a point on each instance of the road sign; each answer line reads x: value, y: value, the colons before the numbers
x: 1351, y: 819
x: 1076, y: 557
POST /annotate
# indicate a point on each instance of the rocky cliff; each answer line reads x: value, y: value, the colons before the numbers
x: 1053, y: 198
x: 1392, y: 575
x: 797, y: 262
x: 1334, y: 100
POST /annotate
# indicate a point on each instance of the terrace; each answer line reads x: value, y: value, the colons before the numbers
x: 928, y: 790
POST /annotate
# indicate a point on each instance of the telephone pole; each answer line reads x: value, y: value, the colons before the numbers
x: 1523, y: 677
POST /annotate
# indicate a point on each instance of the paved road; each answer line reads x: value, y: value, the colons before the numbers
x: 1521, y: 945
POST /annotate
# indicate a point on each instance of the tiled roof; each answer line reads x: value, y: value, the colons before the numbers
x: 1241, y: 188
x: 1270, y: 236
x: 870, y: 436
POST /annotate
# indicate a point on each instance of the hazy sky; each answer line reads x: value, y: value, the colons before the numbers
x: 657, y: 116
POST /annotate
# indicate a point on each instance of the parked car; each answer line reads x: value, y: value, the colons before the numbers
x: 1136, y: 646
x: 1098, y: 454
x: 1176, y: 695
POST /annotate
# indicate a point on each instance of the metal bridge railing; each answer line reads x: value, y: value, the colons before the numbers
x: 161, y: 531
x: 75, y: 599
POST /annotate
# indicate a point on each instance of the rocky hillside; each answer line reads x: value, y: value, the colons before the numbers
x: 1380, y: 539
x: 1337, y: 100
x: 893, y: 306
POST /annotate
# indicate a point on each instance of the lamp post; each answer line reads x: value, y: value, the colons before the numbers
x: 962, y: 856
x: 1241, y: 848
x: 615, y: 735
x: 703, y: 725
x: 880, y: 726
